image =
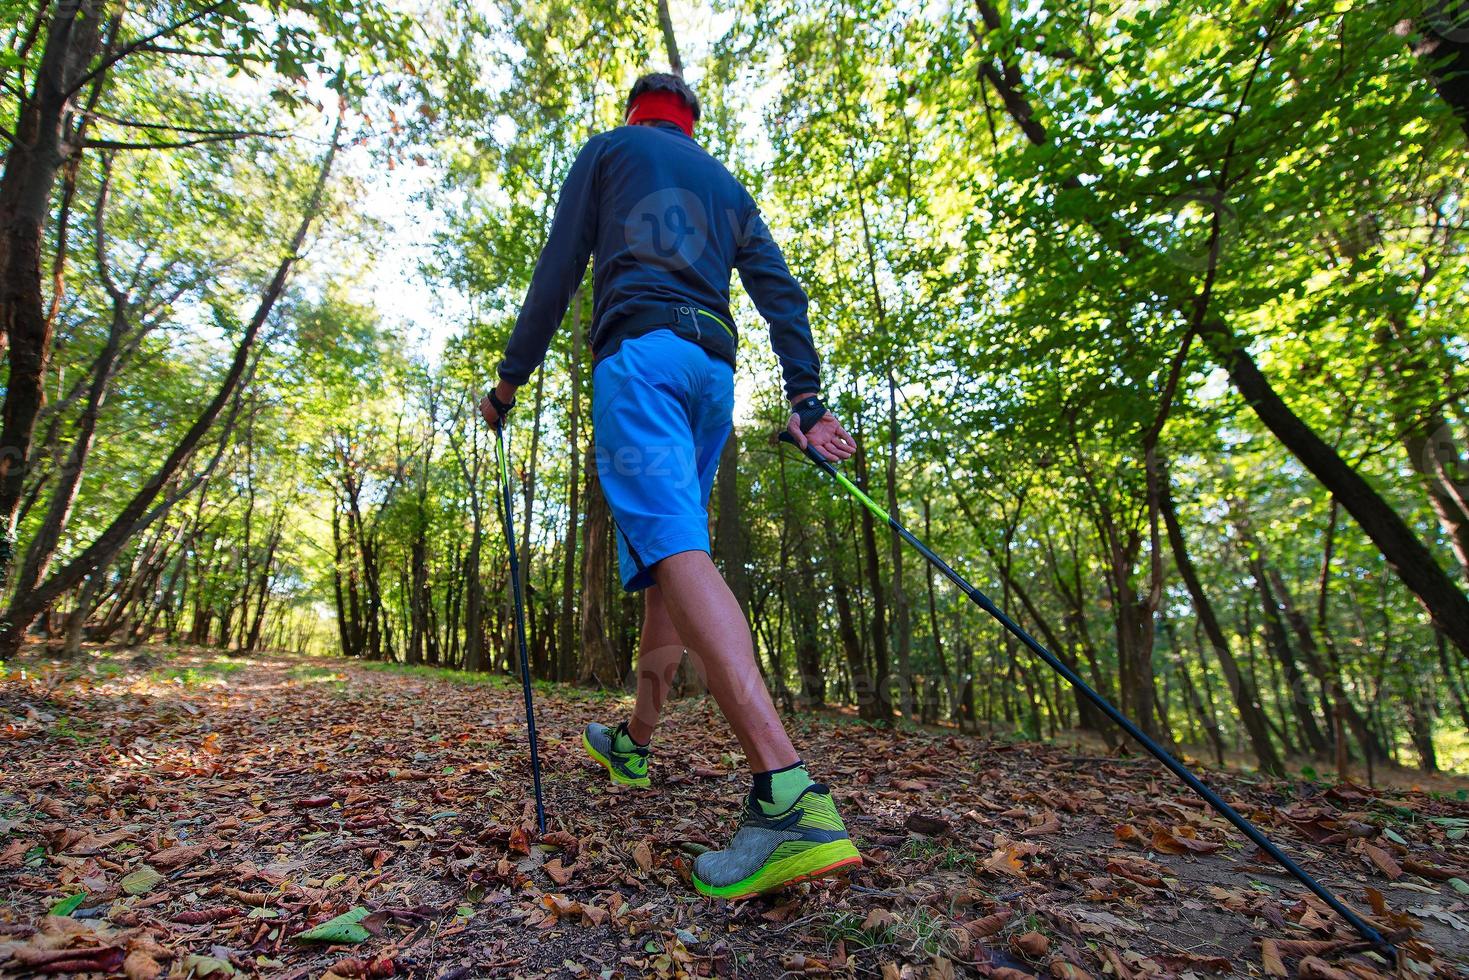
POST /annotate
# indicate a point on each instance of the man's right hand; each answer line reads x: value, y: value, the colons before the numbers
x: 827, y: 435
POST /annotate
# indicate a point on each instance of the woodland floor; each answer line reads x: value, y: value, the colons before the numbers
x: 208, y: 810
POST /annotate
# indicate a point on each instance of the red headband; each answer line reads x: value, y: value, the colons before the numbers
x: 666, y: 106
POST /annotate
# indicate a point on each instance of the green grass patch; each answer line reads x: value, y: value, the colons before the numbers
x: 198, y: 674
x: 332, y: 678
x: 498, y: 682
x: 66, y: 728
x: 936, y: 851
x: 917, y: 929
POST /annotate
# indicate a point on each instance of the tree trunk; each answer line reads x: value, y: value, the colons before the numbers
x: 1433, y: 452
x: 882, y: 681
x: 1245, y: 697
x: 870, y: 705
x: 902, y: 617
x: 670, y: 41
x: 1408, y: 556
x: 567, y: 639
x: 32, y: 163
x: 1444, y: 52
x: 1278, y: 640
x: 598, y: 660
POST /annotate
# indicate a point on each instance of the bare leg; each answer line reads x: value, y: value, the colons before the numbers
x: 709, y: 619
x: 659, y: 652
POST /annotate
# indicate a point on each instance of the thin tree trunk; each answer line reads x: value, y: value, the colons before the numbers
x: 598, y: 666
x: 566, y: 635
x: 670, y: 41
x: 1246, y: 700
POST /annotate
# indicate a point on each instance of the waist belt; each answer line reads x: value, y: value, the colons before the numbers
x: 693, y: 323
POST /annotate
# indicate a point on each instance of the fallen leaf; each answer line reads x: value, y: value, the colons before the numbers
x: 990, y: 924
x: 1271, y: 959
x: 172, y: 857
x: 558, y: 872
x: 1048, y: 823
x: 345, y: 928
x: 141, y: 881
x: 927, y: 824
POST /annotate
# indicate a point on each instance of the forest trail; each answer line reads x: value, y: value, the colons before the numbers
x: 210, y: 809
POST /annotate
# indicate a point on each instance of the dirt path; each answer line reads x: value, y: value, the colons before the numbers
x: 209, y: 810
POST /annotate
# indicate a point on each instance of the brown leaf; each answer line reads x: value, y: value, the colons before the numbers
x: 198, y: 917
x: 1271, y: 958
x: 1384, y: 861
x: 990, y: 924
x: 95, y: 959
x: 1033, y: 944
x: 797, y: 963
x: 14, y: 854
x: 1126, y: 833
x: 172, y: 857
x: 558, y: 872
x: 942, y: 968
x: 1182, y: 962
x: 1180, y: 843
x: 928, y: 824
x: 1049, y: 824
x: 879, y: 918
x: 642, y: 853
x: 1305, y: 947
x: 1132, y: 874
x: 138, y: 965
x: 1315, y: 968
x: 1063, y: 970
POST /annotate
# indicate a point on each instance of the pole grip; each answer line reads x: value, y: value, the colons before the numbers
x: 811, y: 451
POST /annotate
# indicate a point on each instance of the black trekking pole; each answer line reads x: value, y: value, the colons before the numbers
x: 1193, y: 782
x: 530, y: 711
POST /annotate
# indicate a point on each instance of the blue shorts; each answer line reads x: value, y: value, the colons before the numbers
x: 662, y: 409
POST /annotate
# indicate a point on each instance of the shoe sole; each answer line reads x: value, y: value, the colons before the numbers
x: 617, y: 777
x: 821, y: 861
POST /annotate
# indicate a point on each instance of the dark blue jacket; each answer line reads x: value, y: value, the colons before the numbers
x: 667, y: 222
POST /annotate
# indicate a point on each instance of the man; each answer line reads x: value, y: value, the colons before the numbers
x: 667, y: 224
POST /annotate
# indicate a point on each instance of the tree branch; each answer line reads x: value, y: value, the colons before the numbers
x: 168, y: 145
x: 191, y: 130
x: 141, y: 43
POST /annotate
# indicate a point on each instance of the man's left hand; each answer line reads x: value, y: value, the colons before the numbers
x: 827, y: 436
x: 505, y: 392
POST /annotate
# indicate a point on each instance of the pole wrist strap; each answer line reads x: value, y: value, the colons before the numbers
x: 501, y: 408
x: 809, y: 412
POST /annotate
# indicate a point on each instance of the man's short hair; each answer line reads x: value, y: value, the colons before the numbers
x: 662, y: 81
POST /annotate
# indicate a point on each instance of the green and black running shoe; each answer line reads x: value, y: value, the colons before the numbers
x: 629, y: 768
x: 769, y: 852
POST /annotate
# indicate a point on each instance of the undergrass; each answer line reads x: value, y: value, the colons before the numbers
x: 498, y: 682
x: 918, y: 930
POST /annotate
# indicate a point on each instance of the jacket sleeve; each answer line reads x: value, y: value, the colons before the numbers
x: 782, y: 303
x: 558, y: 271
